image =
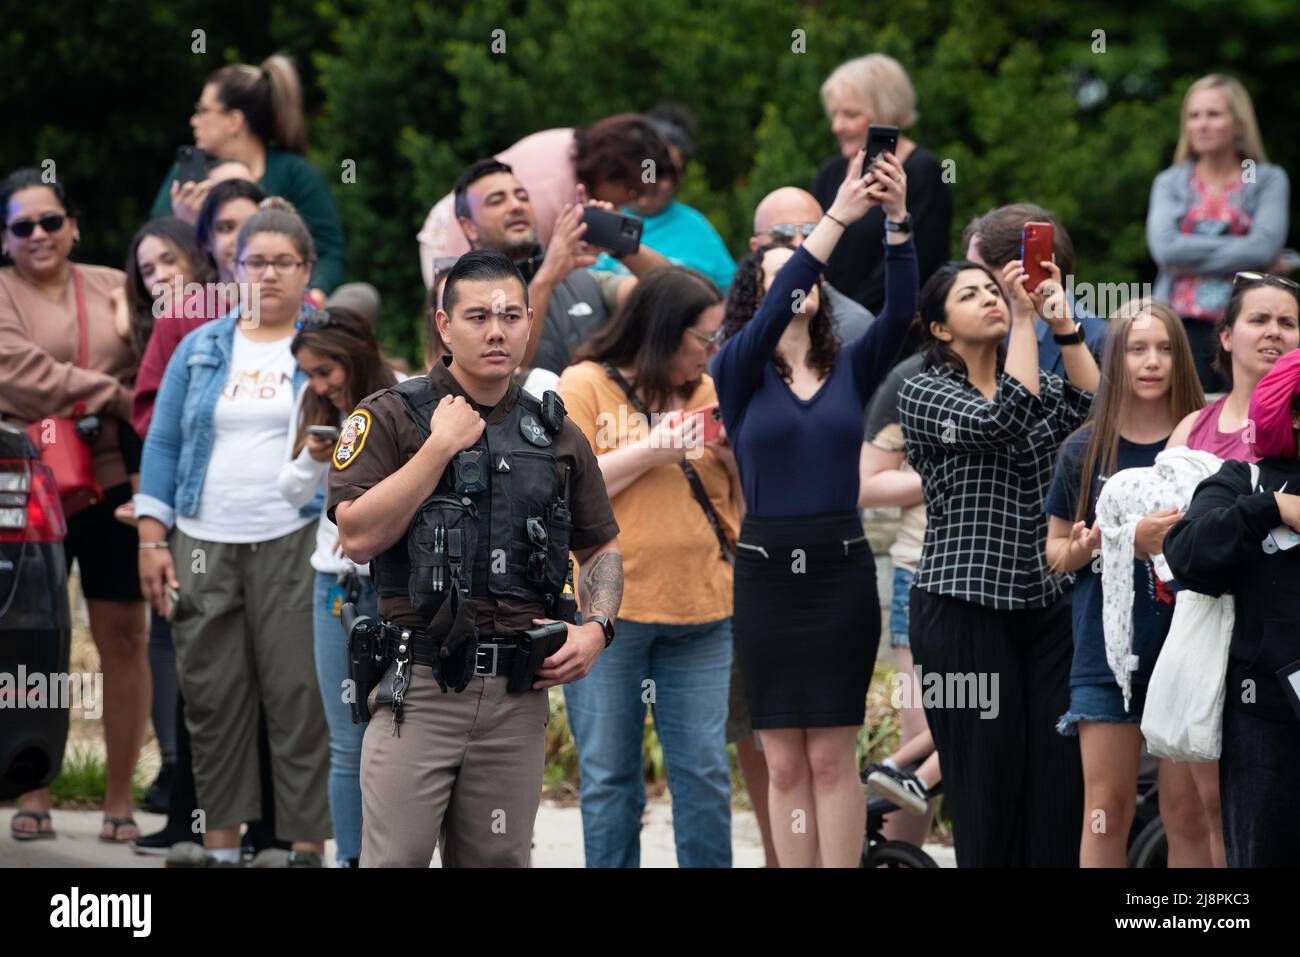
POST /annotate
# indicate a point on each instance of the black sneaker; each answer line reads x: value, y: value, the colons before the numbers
x: 869, y: 770
x: 159, y: 795
x: 159, y: 842
x: 902, y: 787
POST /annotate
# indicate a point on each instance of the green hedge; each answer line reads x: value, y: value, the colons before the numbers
x: 1016, y: 93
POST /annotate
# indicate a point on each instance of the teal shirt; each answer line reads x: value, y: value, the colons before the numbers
x: 293, y: 177
x: 685, y: 237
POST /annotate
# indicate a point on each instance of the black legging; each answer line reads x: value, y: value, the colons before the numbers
x: 166, y: 686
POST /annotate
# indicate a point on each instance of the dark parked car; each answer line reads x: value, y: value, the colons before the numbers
x: 35, y: 621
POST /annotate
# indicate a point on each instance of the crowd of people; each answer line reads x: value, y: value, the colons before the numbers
x: 852, y: 363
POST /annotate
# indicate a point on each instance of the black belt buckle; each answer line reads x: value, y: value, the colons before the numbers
x: 481, y: 668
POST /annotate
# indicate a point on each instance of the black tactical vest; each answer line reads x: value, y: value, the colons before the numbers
x: 498, y: 522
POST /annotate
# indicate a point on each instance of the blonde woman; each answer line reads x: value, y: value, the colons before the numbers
x: 876, y: 89
x: 1220, y: 209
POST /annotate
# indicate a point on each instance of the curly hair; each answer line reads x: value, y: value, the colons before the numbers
x: 746, y: 295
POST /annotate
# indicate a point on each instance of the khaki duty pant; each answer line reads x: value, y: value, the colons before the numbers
x: 466, y: 768
x: 243, y: 633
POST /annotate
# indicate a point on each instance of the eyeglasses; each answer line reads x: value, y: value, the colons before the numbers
x: 709, y: 341
x: 257, y: 265
x: 201, y: 108
x: 22, y: 228
x: 788, y: 230
x: 1267, y: 277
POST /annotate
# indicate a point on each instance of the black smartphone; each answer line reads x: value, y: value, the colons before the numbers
x: 191, y: 165
x: 615, y: 232
x: 880, y: 139
x: 330, y: 432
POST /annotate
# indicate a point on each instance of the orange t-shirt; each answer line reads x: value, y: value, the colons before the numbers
x: 673, y: 572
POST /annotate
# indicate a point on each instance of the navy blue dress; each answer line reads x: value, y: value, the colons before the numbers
x: 807, y: 618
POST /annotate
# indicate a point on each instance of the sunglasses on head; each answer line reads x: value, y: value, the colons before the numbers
x: 1266, y: 277
x: 22, y: 228
x: 316, y: 319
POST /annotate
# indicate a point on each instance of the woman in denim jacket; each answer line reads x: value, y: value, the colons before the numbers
x: 226, y: 557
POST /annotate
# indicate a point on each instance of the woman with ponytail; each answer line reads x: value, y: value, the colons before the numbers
x: 254, y: 115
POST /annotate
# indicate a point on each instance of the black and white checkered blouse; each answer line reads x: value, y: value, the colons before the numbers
x: 985, y: 468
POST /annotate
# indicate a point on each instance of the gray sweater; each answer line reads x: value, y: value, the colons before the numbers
x: 1267, y: 201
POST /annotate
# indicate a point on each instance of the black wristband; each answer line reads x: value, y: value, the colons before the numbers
x: 1075, y: 338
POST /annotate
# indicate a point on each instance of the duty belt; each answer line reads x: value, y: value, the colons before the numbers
x: 493, y: 658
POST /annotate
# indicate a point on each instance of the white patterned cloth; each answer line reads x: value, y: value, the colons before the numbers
x: 1127, y: 497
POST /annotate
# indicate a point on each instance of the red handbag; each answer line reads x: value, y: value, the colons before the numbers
x: 66, y: 453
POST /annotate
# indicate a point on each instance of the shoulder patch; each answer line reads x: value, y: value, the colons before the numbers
x: 352, y: 439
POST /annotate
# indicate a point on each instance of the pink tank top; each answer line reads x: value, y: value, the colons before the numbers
x: 1205, y: 435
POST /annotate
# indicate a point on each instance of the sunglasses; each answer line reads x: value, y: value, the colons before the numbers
x: 22, y: 228
x: 788, y: 230
x: 1266, y: 278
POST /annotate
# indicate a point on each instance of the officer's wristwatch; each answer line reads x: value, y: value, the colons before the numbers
x: 606, y: 625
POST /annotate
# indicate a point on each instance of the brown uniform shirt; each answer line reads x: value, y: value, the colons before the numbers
x: 379, y: 438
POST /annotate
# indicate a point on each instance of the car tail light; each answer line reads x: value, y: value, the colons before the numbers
x: 29, y: 503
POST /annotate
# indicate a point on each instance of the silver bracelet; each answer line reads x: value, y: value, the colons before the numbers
x: 154, y: 545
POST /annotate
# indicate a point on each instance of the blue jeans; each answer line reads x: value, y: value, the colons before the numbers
x: 345, y: 737
x: 684, y: 673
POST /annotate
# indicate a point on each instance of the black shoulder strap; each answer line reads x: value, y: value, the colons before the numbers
x: 419, y: 396
x: 692, y: 477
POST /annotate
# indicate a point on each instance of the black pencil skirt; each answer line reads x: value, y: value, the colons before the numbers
x: 806, y: 620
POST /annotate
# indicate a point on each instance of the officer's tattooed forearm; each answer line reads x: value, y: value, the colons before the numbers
x: 602, y: 585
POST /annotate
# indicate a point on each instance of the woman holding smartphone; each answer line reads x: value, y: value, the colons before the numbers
x: 338, y: 351
x: 982, y: 427
x: 807, y: 621
x: 229, y: 562
x: 674, y: 625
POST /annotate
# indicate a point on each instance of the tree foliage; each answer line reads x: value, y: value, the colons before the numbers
x: 1018, y: 95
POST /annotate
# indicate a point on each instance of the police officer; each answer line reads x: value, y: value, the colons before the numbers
x: 466, y: 495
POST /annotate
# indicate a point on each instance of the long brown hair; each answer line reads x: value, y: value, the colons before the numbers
x: 1184, y: 396
x: 648, y: 329
x: 348, y: 339
x: 270, y: 97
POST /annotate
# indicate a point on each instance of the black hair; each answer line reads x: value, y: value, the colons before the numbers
x: 676, y: 124
x: 218, y: 196
x: 746, y: 295
x: 472, y: 174
x: 647, y: 331
x: 1222, y: 362
x: 480, y: 264
x: 180, y: 236
x: 26, y: 178
x: 933, y: 308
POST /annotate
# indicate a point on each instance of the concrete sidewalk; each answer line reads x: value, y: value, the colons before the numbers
x: 557, y: 838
